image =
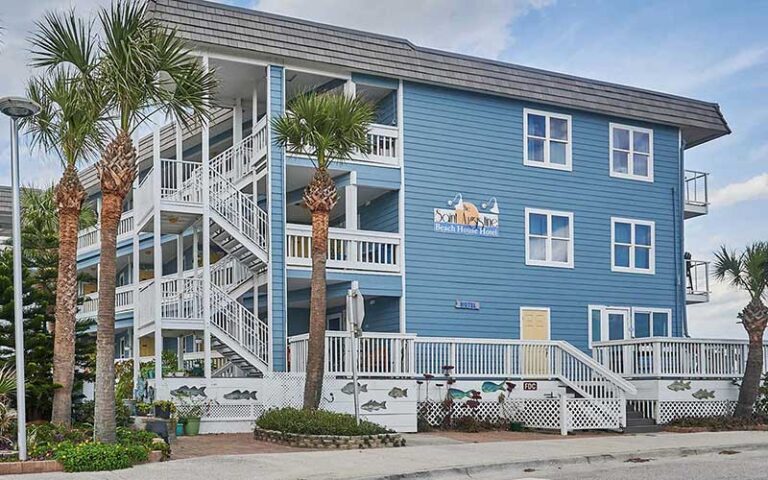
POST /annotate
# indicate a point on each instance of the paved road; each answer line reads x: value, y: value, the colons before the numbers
x: 740, y: 466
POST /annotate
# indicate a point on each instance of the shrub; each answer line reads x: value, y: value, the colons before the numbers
x: 122, y: 414
x: 143, y: 409
x: 720, y: 423
x: 82, y: 412
x: 143, y: 438
x: 316, y: 422
x: 94, y: 457
x: 44, y: 439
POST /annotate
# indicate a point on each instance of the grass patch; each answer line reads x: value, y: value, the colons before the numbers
x: 316, y: 422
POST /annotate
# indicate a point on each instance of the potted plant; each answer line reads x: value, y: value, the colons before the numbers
x: 192, y: 411
x: 164, y: 408
x: 143, y: 409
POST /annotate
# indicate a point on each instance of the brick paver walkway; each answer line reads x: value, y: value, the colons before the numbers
x: 224, y: 444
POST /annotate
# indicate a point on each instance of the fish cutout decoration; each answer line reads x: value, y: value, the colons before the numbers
x: 185, y: 391
x: 373, y: 406
x: 349, y: 388
x: 457, y: 394
x: 397, y: 392
x: 490, y: 387
x: 679, y: 386
x: 240, y: 395
x: 702, y: 394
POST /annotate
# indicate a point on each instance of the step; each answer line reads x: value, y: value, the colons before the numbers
x: 640, y: 421
x: 642, y: 429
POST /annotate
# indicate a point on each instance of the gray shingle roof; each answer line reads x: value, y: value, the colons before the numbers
x: 284, y: 38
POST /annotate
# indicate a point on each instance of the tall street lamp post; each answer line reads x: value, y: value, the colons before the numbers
x: 18, y: 108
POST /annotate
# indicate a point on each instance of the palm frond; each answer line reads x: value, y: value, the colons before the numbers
x: 64, y: 39
x: 327, y: 127
x: 747, y: 270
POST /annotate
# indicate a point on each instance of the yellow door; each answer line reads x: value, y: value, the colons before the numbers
x: 534, y: 325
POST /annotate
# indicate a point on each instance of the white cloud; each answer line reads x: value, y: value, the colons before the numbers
x: 752, y: 189
x: 717, y: 319
x: 470, y: 27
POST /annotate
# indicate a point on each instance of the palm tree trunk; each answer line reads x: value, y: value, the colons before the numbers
x: 320, y: 197
x: 754, y: 318
x: 69, y: 200
x: 117, y: 171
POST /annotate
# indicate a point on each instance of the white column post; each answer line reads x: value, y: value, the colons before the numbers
x: 179, y: 141
x: 180, y: 255
x: 136, y: 279
x: 350, y: 213
x: 237, y: 121
x: 255, y: 106
x: 157, y: 264
x: 206, y: 134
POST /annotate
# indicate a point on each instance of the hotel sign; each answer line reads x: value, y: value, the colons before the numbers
x: 466, y: 219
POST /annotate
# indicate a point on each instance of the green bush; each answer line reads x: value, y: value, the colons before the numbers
x: 316, y: 422
x: 44, y: 439
x: 143, y: 438
x: 95, y: 457
x: 721, y: 423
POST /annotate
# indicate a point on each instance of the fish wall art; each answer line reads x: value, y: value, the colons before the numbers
x: 702, y: 394
x: 240, y: 395
x: 349, y: 388
x: 374, y: 406
x: 397, y: 392
x: 185, y: 391
x: 679, y: 386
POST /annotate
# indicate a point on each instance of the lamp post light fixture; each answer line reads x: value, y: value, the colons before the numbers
x: 18, y: 108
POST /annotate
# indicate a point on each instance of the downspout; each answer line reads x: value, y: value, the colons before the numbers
x: 679, y: 217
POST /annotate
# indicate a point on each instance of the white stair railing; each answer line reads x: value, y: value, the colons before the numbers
x: 238, y: 161
x: 229, y: 272
x: 239, y: 210
x: 239, y: 324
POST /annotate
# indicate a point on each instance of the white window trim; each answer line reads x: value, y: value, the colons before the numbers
x: 568, y: 167
x: 651, y: 311
x: 604, y: 321
x: 629, y: 175
x: 572, y: 239
x: 537, y: 309
x: 652, y: 255
x: 629, y: 332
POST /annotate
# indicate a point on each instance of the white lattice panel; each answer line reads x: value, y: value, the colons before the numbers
x: 594, y: 413
x: 533, y: 413
x: 669, y: 411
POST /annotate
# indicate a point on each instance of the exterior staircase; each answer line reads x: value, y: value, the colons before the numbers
x: 638, y: 423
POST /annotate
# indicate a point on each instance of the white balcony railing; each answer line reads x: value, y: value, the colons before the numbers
x: 181, y: 181
x: 696, y: 193
x: 123, y: 302
x: 675, y: 357
x: 347, y: 249
x: 393, y: 354
x: 697, y: 281
x: 383, y: 143
x: 90, y: 237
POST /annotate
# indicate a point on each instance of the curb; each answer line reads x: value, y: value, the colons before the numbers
x: 473, y: 470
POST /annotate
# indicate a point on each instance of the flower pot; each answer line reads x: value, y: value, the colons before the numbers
x: 180, y: 429
x: 162, y: 412
x: 192, y: 426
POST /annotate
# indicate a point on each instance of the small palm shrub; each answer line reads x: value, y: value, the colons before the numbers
x: 316, y: 422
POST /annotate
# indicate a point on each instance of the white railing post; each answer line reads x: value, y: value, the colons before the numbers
x: 657, y: 348
x: 564, y: 417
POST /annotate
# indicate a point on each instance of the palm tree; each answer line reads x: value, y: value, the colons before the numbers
x: 70, y: 123
x: 748, y: 271
x: 142, y: 68
x: 327, y: 127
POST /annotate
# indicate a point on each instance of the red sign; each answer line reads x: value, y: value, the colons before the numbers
x: 530, y: 386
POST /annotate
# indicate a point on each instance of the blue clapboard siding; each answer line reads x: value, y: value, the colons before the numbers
x: 462, y: 142
x: 381, y: 214
x: 383, y: 315
x: 277, y: 222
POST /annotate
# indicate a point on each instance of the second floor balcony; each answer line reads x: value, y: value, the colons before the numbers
x: 696, y: 194
x: 696, y: 281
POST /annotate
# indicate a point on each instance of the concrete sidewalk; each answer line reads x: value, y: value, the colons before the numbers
x: 431, y: 461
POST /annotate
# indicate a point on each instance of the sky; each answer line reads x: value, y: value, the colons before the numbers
x: 709, y: 50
